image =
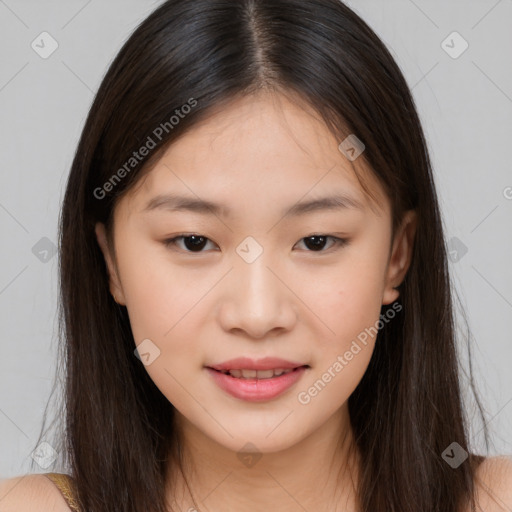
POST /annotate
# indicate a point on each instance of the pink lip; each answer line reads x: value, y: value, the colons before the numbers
x: 256, y: 390
x: 245, y: 363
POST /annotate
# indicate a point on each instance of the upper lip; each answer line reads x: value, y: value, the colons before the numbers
x: 245, y: 363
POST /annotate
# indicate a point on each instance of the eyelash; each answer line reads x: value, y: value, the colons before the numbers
x: 338, y: 242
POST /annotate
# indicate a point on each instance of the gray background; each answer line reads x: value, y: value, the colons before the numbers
x: 465, y: 104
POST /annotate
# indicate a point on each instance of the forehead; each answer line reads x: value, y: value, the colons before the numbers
x: 263, y: 151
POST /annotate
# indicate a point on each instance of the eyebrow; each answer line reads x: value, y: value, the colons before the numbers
x: 176, y: 203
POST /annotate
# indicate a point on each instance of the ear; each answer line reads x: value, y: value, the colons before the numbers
x: 401, y: 256
x: 114, y: 283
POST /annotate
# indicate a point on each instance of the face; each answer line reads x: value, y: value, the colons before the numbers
x: 203, y: 286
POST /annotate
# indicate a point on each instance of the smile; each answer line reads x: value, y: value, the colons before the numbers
x: 256, y: 374
x: 256, y: 385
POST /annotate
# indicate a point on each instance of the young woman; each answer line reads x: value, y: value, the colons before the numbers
x: 255, y: 298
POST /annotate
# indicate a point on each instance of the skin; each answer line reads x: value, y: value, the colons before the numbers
x: 258, y: 156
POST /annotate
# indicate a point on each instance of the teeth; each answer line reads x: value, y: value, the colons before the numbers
x: 257, y: 374
x: 249, y: 374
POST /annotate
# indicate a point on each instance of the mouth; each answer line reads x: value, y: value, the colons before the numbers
x: 265, y: 368
x: 246, y: 373
x: 256, y: 384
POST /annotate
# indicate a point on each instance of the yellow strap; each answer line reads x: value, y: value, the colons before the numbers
x: 65, y: 485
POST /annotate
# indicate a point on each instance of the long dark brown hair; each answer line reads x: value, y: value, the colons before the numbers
x: 408, y: 408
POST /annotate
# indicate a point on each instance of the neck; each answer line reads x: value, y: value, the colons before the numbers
x: 319, y: 473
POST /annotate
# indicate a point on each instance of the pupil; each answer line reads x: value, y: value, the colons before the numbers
x: 315, y: 242
x: 195, y: 244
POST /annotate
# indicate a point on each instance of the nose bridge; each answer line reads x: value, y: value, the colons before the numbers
x: 257, y: 300
x: 253, y: 258
x: 258, y: 286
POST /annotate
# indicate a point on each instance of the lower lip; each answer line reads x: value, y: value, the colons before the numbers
x: 256, y: 390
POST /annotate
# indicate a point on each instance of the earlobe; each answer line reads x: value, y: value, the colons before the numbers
x: 390, y: 295
x: 401, y: 256
x: 114, y: 284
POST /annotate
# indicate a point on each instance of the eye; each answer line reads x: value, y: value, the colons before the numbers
x: 317, y: 242
x: 193, y: 242
x: 196, y: 243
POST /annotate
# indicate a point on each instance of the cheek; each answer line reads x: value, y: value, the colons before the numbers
x: 346, y: 299
x: 163, y: 307
x: 156, y: 297
x: 349, y: 304
x: 159, y: 303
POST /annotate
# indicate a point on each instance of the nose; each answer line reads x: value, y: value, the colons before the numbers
x: 257, y: 300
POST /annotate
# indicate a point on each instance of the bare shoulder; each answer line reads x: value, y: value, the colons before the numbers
x: 31, y: 493
x: 494, y: 484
